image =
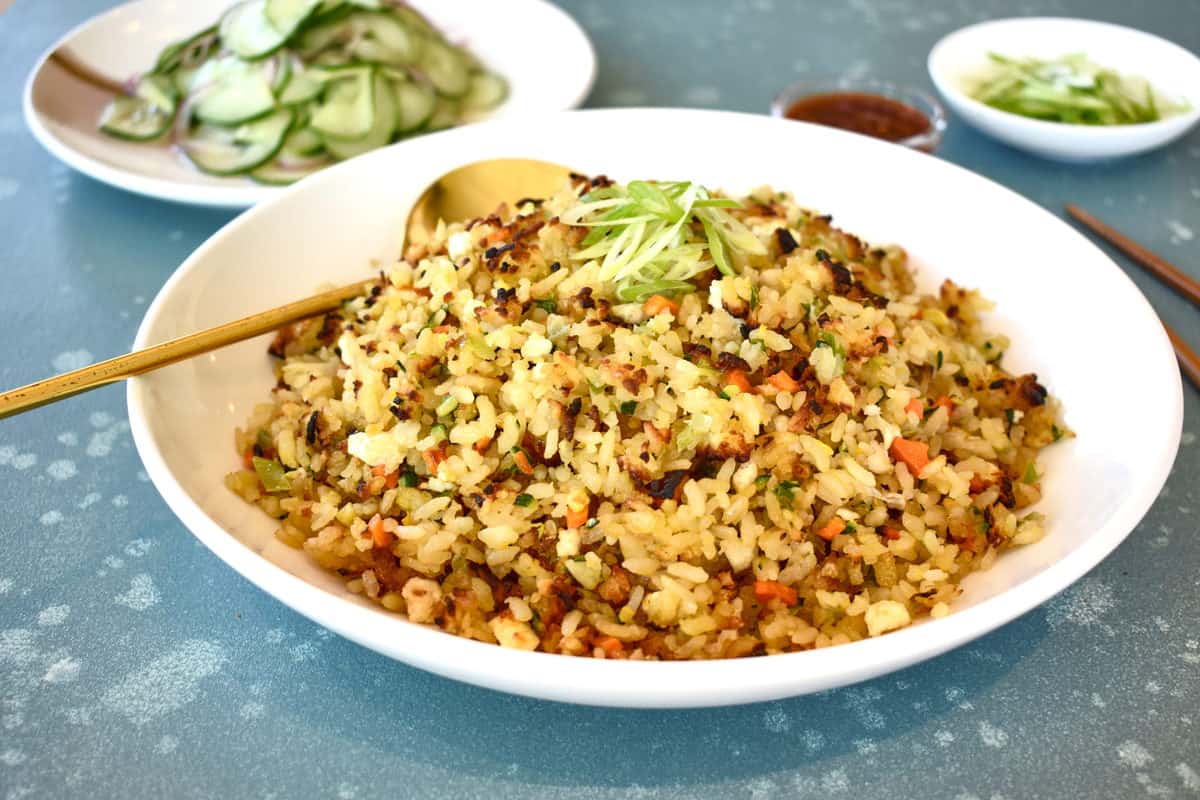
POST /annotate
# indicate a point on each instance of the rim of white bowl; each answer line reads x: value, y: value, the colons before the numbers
x: 633, y: 684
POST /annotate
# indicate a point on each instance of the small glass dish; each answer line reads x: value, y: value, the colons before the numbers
x: 925, y: 104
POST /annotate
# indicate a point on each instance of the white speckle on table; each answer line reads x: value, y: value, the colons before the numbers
x: 813, y: 741
x: 305, y: 651
x: 23, y: 461
x: 1084, y: 604
x: 7, y: 454
x: 865, y: 747
x: 90, y: 498
x: 864, y: 703
x: 835, y: 781
x: 1133, y: 755
x: 1187, y: 439
x: 1098, y: 701
x: 6, y: 585
x: 64, y: 670
x: 99, y: 419
x: 16, y: 647
x: 71, y: 359
x: 120, y: 501
x: 776, y: 720
x: 765, y: 6
x: 1153, y: 789
x: 68, y: 438
x: 139, y: 299
x: 1153, y: 687
x: 78, y: 716
x: 52, y: 517
x: 275, y: 636
x: 1162, y: 625
x: 142, y: 476
x: 1196, y: 192
x: 142, y: 593
x: 991, y: 735
x: 252, y: 710
x: 165, y: 684
x: 61, y: 470
x: 114, y: 562
x: 12, y: 721
x: 347, y: 791
x: 12, y: 757
x: 944, y: 738
x: 139, y: 547
x: 8, y: 187
x: 702, y: 96
x: 102, y: 441
x: 1179, y: 231
x: 175, y: 235
x: 53, y: 615
x: 1188, y: 776
x: 166, y: 745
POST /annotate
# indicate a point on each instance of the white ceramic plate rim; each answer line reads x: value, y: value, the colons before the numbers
x: 656, y: 684
x: 1086, y: 132
x: 237, y: 192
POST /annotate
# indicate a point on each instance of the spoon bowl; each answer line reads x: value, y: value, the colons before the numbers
x: 473, y: 190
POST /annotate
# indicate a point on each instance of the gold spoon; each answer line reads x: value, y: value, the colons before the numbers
x: 470, y: 191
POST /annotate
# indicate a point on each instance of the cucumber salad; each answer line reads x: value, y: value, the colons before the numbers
x: 278, y: 89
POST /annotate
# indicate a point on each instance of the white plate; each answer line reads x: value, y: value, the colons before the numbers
x: 543, y: 53
x: 959, y: 57
x: 1057, y: 295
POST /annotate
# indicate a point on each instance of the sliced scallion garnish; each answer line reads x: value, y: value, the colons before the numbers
x: 652, y: 238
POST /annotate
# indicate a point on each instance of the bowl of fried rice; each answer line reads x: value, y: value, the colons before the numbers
x: 673, y: 435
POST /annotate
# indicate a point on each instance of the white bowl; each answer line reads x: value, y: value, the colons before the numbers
x: 331, y: 227
x: 961, y: 56
x: 517, y: 38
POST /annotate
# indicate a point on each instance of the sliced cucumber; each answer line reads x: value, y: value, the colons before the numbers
x: 274, y: 173
x: 382, y: 127
x: 304, y: 85
x: 158, y: 90
x: 188, y: 52
x: 230, y: 151
x: 246, y: 31
x: 487, y: 90
x: 445, y: 69
x: 382, y: 39
x: 324, y: 34
x: 283, y: 72
x: 288, y: 15
x: 348, y: 110
x: 415, y: 101
x: 302, y: 143
x: 232, y: 91
x: 415, y: 22
x: 445, y: 114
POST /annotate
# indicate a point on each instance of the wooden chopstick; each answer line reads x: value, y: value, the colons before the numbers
x: 1187, y: 286
x: 1189, y: 362
x: 160, y: 355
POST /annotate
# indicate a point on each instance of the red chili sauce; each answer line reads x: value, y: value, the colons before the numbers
x: 870, y: 114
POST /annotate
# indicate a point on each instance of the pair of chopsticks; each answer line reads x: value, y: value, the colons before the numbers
x: 1189, y: 287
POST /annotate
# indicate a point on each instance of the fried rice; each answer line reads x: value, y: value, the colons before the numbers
x: 805, y: 453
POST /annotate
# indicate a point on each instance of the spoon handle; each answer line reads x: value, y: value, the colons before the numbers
x: 160, y: 355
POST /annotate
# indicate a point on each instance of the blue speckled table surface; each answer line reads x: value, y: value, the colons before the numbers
x: 133, y: 663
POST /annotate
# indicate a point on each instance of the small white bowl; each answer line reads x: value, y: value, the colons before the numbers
x: 1171, y: 70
